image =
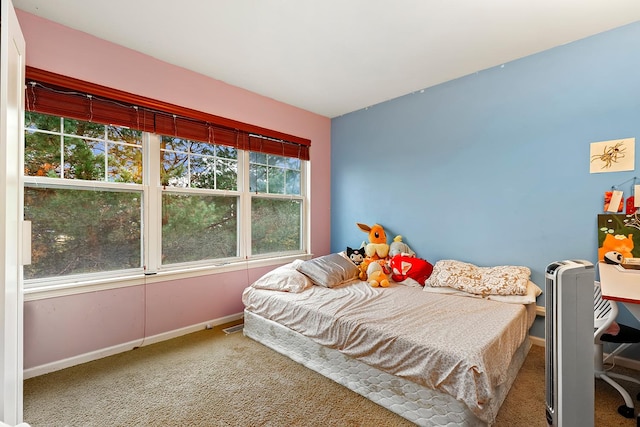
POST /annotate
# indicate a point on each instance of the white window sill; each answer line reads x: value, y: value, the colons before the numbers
x: 45, y: 291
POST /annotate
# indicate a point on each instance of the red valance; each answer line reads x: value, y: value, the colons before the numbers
x: 51, y: 93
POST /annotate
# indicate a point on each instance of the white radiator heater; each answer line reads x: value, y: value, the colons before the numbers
x: 569, y: 351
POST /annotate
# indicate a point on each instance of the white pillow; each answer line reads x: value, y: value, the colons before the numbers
x: 533, y: 291
x: 284, y: 278
x: 329, y: 270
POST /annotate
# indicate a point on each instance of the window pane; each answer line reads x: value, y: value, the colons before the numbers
x: 84, y: 154
x: 198, y: 165
x: 259, y: 158
x: 203, y: 148
x: 276, y: 180
x: 130, y: 136
x: 196, y: 228
x: 173, y: 171
x: 176, y: 144
x: 83, y: 159
x: 292, y: 163
x: 86, y: 129
x: 82, y: 231
x: 227, y: 152
x: 281, y: 175
x: 41, y: 121
x: 125, y: 163
x: 293, y: 182
x: 42, y: 155
x: 277, y: 161
x: 203, y: 172
x: 227, y: 174
x: 275, y: 225
x: 258, y: 179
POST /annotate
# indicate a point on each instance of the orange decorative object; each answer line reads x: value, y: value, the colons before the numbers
x: 607, y: 201
x: 616, y: 242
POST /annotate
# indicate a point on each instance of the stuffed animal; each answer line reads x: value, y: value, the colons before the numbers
x: 399, y: 247
x: 377, y: 248
x: 375, y: 272
x: 373, y: 268
x: 362, y: 269
x: 405, y: 266
x: 356, y: 255
x: 376, y: 275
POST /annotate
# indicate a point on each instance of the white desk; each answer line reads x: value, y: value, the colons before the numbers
x: 619, y: 286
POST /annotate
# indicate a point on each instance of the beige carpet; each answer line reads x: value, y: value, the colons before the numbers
x: 211, y: 379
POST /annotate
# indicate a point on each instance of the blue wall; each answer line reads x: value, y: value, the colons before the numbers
x: 493, y: 168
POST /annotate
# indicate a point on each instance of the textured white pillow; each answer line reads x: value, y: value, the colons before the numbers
x: 329, y: 270
x: 500, y: 280
x: 284, y: 278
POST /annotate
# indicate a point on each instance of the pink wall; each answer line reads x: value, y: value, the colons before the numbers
x: 59, y: 328
x: 64, y: 327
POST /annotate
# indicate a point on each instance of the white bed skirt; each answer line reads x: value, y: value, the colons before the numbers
x: 418, y: 404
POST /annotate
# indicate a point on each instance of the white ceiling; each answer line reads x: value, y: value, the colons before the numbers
x: 332, y: 57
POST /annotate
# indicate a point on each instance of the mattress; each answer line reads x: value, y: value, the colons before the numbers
x: 453, y: 345
x: 416, y: 403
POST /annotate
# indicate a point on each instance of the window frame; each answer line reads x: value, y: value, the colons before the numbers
x: 68, y: 184
x: 151, y: 192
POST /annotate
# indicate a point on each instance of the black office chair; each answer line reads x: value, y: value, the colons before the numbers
x: 604, y: 314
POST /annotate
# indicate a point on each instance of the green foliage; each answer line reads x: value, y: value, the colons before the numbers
x: 83, y: 160
x: 82, y: 231
x: 198, y: 227
x: 275, y: 225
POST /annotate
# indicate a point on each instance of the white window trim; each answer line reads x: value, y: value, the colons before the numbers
x: 152, y: 225
x: 152, y: 270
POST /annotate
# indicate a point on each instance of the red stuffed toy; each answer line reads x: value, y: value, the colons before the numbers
x: 404, y: 266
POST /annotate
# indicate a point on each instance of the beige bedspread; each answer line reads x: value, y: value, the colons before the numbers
x: 458, y: 345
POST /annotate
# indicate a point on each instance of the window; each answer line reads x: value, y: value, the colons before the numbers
x: 82, y: 231
x: 276, y: 220
x: 202, y: 224
x: 78, y: 228
x: 153, y: 192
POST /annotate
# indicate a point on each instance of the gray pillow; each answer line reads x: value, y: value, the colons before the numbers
x: 329, y: 270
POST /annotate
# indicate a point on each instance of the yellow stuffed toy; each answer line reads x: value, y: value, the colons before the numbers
x: 377, y: 248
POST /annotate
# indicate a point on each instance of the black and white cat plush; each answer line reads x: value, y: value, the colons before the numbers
x: 356, y: 255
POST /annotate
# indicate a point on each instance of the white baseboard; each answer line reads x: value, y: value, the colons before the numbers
x: 189, y: 329
x: 627, y: 363
x: 120, y: 348
x: 537, y: 341
x: 619, y: 361
x: 82, y: 358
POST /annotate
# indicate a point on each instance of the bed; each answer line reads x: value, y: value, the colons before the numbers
x: 435, y: 355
